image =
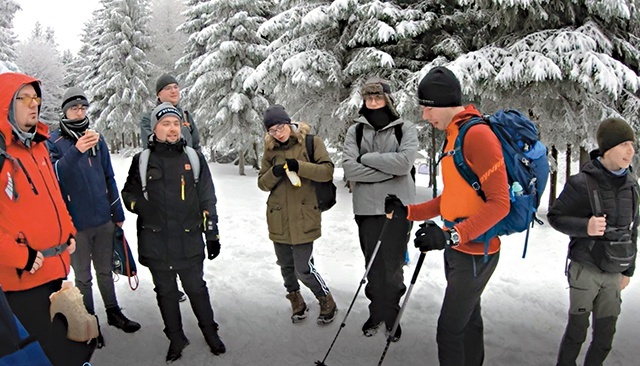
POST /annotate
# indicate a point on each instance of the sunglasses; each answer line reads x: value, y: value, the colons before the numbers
x: 27, y: 99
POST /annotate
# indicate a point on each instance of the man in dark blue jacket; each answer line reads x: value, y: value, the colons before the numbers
x: 82, y: 165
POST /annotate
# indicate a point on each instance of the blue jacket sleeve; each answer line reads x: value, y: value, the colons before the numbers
x: 117, y: 213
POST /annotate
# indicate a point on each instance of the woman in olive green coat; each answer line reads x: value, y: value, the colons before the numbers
x: 293, y: 216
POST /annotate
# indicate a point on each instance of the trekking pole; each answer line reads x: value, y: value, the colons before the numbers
x: 362, y: 281
x: 404, y: 305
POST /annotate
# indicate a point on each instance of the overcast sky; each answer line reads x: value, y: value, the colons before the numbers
x: 66, y: 17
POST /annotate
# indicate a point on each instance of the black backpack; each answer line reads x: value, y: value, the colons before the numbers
x: 325, y: 191
x: 3, y: 150
x: 397, y: 129
x: 616, y: 251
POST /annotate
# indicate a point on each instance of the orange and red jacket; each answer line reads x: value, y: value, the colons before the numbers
x: 31, y: 205
x: 459, y: 201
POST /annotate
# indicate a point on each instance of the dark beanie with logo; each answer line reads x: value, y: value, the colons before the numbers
x: 612, y: 132
x: 163, y: 110
x: 72, y: 97
x: 275, y: 115
x: 163, y: 81
x: 440, y: 88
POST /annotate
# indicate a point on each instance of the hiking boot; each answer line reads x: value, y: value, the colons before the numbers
x: 396, y: 337
x: 328, y: 309
x: 215, y: 344
x: 182, y: 297
x: 118, y: 320
x: 175, y: 348
x: 370, y: 327
x: 299, y: 308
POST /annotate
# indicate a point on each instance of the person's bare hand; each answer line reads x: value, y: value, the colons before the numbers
x: 89, y: 140
x: 37, y: 263
x: 624, y: 282
x: 72, y: 245
x: 597, y: 226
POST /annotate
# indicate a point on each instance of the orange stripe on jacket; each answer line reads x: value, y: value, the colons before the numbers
x: 483, y: 153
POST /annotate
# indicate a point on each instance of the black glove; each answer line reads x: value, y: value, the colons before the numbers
x: 292, y: 165
x: 278, y: 170
x: 393, y: 204
x: 431, y: 237
x: 213, y: 248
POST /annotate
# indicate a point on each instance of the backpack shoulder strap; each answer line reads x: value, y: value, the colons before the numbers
x: 186, y: 120
x: 308, y: 141
x: 359, y: 133
x: 458, y: 157
x: 143, y: 163
x: 194, y: 160
x: 398, y: 131
x: 594, y: 195
x: 3, y: 150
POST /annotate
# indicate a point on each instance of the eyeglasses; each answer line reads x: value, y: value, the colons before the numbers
x: 373, y: 98
x: 78, y: 108
x: 27, y: 99
x: 276, y: 129
x: 171, y: 87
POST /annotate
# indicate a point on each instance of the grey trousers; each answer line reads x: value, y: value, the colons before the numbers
x: 95, y: 244
x: 296, y: 262
x: 591, y: 291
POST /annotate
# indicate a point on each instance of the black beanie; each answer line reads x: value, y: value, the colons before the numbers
x: 612, y: 132
x: 275, y: 115
x: 440, y: 88
x: 163, y: 81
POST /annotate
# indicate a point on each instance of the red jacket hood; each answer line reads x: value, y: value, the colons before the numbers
x: 11, y: 83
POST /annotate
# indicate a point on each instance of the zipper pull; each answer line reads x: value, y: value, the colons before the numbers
x: 182, y: 186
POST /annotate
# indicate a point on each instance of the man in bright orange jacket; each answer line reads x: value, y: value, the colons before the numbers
x: 36, y: 232
x: 465, y: 214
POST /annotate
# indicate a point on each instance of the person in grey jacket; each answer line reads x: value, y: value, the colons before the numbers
x: 379, y: 151
x: 168, y: 90
x: 598, y: 209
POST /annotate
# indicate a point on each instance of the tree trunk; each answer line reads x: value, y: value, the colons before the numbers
x: 553, y: 178
x: 567, y: 172
x: 584, y: 156
x: 433, y: 169
x: 241, y: 163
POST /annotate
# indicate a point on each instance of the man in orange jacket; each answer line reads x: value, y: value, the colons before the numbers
x: 465, y: 214
x: 36, y: 232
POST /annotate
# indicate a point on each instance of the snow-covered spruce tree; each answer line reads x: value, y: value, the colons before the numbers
x: 321, y: 52
x: 119, y: 85
x: 8, y: 9
x: 167, y: 43
x: 197, y: 18
x: 39, y: 57
x: 229, y: 115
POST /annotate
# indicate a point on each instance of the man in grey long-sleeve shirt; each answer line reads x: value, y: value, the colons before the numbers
x: 379, y: 151
x: 168, y: 90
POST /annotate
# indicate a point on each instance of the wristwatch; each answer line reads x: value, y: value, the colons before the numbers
x: 454, y: 238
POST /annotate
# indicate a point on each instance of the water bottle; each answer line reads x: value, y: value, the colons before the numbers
x: 516, y: 188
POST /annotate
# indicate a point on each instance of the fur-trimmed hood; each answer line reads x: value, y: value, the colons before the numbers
x: 299, y: 130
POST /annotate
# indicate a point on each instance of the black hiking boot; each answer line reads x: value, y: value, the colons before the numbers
x: 118, y: 320
x: 396, y: 337
x: 370, y: 327
x: 175, y: 349
x: 215, y: 344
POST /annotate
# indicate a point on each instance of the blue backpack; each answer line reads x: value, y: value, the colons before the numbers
x: 525, y: 158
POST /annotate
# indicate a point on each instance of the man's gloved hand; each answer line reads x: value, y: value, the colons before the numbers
x: 213, y: 248
x: 431, y: 237
x: 278, y: 170
x: 393, y: 204
x: 292, y: 165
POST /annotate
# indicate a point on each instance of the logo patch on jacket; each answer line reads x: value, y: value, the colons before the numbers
x: 187, y: 167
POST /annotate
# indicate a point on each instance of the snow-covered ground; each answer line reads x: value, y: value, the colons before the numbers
x: 524, y: 305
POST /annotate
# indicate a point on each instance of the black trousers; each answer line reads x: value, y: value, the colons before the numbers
x: 32, y: 309
x: 460, y: 334
x: 385, y: 281
x: 166, y: 289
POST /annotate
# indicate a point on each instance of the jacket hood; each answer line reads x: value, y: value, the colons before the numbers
x: 299, y: 130
x: 11, y: 83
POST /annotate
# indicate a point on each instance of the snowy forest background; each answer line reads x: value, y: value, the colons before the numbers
x: 569, y: 64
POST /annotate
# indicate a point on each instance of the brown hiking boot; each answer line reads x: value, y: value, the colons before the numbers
x: 298, y: 306
x: 328, y: 309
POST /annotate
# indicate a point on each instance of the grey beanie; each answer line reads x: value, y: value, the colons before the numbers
x: 72, y: 97
x: 163, y: 110
x: 163, y: 81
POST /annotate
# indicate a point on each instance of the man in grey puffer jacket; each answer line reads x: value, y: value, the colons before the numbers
x: 379, y: 151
